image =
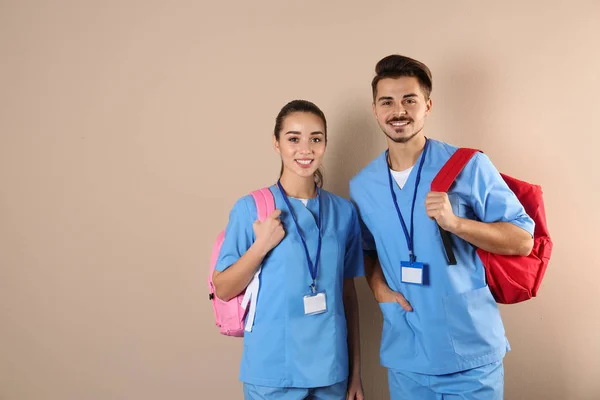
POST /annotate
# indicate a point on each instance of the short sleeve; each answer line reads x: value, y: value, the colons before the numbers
x: 367, y: 240
x: 239, y: 234
x: 353, y: 261
x: 491, y: 198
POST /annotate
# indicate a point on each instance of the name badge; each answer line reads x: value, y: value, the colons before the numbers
x: 315, y: 303
x: 412, y: 272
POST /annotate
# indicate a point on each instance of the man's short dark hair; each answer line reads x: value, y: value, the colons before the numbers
x: 396, y: 66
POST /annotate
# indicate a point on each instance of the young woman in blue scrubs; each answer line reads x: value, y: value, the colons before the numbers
x: 303, y: 339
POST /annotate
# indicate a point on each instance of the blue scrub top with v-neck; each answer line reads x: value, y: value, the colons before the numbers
x: 287, y: 348
x: 456, y: 323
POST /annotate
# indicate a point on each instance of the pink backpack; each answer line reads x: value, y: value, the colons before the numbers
x: 229, y: 315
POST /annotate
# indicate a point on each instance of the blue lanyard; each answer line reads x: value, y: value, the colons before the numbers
x: 408, y: 236
x: 312, y: 268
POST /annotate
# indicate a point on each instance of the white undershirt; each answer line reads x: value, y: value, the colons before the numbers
x: 304, y: 201
x: 401, y: 176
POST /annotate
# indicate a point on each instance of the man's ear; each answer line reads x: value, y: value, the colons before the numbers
x: 428, y: 106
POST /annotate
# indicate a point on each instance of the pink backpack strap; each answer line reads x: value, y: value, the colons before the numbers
x: 265, y: 203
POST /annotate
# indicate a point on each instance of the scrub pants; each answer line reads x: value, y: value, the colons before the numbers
x: 482, y: 383
x: 333, y: 392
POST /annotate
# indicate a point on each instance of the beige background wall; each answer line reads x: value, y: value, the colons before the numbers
x: 128, y: 129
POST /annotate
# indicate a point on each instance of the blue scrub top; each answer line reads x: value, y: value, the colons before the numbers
x: 287, y: 348
x: 455, y: 324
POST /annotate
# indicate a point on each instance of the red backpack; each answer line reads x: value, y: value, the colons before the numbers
x: 511, y: 279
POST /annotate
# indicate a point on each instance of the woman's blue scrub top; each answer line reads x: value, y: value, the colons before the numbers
x: 287, y: 348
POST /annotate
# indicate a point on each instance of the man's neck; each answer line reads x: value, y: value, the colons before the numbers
x: 402, y: 156
x: 298, y: 186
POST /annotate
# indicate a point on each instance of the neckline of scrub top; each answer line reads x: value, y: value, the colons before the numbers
x: 303, y: 201
x: 404, y: 194
x: 313, y: 267
x: 306, y: 218
x: 409, y: 233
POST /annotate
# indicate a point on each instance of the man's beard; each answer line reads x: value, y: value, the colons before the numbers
x: 402, y: 139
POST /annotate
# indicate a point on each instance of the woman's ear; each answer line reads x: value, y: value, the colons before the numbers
x: 276, y: 144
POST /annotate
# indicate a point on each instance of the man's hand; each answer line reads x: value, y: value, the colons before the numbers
x: 438, y: 207
x: 387, y: 295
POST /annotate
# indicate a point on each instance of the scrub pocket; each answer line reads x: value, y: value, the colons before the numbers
x: 474, y: 323
x: 398, y: 337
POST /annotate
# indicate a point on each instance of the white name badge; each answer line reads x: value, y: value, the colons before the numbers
x: 412, y: 272
x: 315, y: 303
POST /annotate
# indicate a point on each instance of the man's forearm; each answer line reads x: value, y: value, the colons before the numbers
x: 502, y: 238
x: 374, y: 275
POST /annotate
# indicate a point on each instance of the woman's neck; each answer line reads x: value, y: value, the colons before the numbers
x: 298, y: 186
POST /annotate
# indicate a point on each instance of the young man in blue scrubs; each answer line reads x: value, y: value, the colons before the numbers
x: 443, y: 337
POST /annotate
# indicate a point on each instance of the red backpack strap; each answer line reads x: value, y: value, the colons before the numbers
x: 442, y: 182
x: 444, y: 179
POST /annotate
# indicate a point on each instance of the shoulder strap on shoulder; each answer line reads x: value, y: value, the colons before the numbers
x: 265, y: 203
x: 444, y: 179
x: 442, y: 182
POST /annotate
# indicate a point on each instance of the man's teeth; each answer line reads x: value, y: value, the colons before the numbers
x: 398, y: 123
x: 304, y: 162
